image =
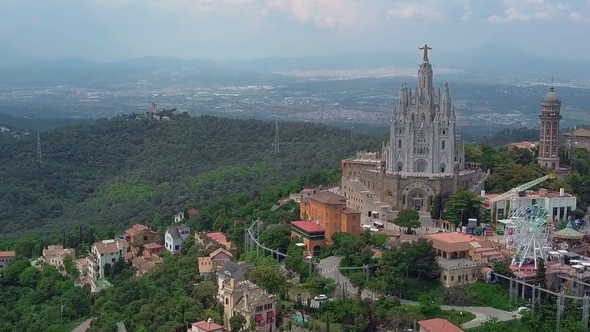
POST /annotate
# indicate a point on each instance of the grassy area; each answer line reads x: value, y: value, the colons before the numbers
x: 415, y: 288
x: 456, y: 317
x: 490, y: 295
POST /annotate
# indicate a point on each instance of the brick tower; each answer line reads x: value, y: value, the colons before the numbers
x: 549, y: 140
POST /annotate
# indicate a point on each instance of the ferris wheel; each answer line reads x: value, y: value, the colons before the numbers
x: 527, y: 234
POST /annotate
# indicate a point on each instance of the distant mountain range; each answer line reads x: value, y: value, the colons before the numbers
x: 490, y: 58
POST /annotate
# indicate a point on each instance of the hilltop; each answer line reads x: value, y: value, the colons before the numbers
x: 126, y: 170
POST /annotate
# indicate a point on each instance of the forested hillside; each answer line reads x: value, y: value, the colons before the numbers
x: 127, y: 170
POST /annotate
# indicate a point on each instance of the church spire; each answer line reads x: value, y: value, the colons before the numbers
x: 425, y: 88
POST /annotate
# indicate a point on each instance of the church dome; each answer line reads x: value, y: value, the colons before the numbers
x: 551, y: 97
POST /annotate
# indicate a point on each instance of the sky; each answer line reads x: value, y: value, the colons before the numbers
x: 112, y: 30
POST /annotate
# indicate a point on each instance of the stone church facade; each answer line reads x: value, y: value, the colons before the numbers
x: 422, y: 159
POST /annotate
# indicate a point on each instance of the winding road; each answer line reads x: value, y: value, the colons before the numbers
x: 329, y: 269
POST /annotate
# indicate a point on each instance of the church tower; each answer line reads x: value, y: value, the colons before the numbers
x: 422, y: 132
x: 549, y: 140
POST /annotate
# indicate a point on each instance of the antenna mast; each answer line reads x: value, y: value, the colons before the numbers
x: 39, y: 147
x: 277, y: 135
x: 352, y: 130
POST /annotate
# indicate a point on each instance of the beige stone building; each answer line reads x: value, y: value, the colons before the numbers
x: 56, y: 254
x: 6, y: 258
x: 247, y: 299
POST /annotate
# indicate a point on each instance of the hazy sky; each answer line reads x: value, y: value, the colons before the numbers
x: 230, y: 29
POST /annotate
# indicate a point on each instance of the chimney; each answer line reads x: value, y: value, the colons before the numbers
x: 483, y: 194
x: 561, y: 192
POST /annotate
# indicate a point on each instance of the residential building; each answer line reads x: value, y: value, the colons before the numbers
x: 214, y: 261
x: 559, y: 205
x: 145, y: 264
x: 522, y: 145
x: 462, y: 255
x: 193, y: 213
x: 578, y: 138
x: 103, y: 252
x: 139, y: 235
x: 437, y: 325
x: 329, y: 211
x: 179, y: 217
x: 212, y: 238
x: 312, y: 236
x: 247, y: 299
x: 231, y: 270
x: 55, y: 255
x: 174, y: 236
x: 206, y: 326
x: 6, y: 258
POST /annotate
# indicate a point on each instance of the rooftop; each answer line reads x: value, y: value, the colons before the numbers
x: 137, y: 228
x: 328, y: 197
x: 153, y: 246
x: 347, y: 210
x: 217, y: 237
x: 523, y: 145
x: 535, y: 195
x: 439, y: 325
x: 455, y: 241
x: 578, y: 133
x: 107, y: 247
x: 7, y: 253
x: 207, y: 326
x: 308, y: 226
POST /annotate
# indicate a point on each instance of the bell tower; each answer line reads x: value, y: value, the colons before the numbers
x: 549, y: 140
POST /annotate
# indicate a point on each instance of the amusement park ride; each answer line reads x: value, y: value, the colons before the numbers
x: 527, y: 230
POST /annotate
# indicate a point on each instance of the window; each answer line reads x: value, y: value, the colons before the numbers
x: 421, y: 166
x: 113, y: 260
x: 176, y: 247
x: 444, y: 132
x: 443, y: 145
x: 353, y: 217
x: 399, y: 167
x: 353, y: 228
x: 452, y: 278
x: 268, y: 306
x: 258, y: 308
x: 399, y: 144
x: 421, y: 137
x: 227, y: 300
x: 145, y: 238
x: 336, y: 207
x: 442, y: 168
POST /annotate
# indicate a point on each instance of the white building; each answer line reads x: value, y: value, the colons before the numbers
x: 558, y: 204
x: 179, y: 217
x: 103, y: 252
x: 174, y: 237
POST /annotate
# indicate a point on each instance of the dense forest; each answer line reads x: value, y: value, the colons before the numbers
x: 128, y: 169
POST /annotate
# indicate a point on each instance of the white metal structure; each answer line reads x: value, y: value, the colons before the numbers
x: 530, y: 234
x: 514, y: 236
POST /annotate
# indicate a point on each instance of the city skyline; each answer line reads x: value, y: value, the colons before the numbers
x: 101, y: 30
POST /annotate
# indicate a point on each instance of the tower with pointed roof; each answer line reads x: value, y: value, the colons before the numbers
x: 549, y: 133
x: 422, y: 132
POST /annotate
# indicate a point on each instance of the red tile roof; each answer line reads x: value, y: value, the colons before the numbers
x: 438, y: 325
x: 328, y: 197
x: 217, y: 237
x: 106, y: 247
x: 153, y: 246
x: 207, y: 327
x: 308, y: 226
x: 135, y: 229
x: 7, y: 253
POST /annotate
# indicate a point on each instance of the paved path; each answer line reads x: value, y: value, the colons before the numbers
x: 329, y: 269
x: 85, y: 325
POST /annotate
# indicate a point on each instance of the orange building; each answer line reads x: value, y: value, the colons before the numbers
x: 329, y: 211
x: 311, y: 235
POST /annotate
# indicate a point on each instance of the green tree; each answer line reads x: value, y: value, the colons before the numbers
x: 437, y: 207
x: 379, y: 239
x: 408, y: 218
x: 237, y: 323
x: 269, y: 277
x: 277, y: 237
x: 462, y: 206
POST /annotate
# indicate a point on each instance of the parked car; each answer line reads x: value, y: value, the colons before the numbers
x: 321, y: 297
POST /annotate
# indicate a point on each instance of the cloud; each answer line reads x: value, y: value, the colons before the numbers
x: 322, y: 13
x: 530, y: 10
x: 468, y: 11
x: 414, y: 11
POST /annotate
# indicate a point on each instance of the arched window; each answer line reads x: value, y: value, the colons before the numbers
x: 423, y: 117
x: 399, y: 144
x: 443, y: 168
x: 400, y: 166
x: 421, y: 166
x: 553, y: 165
x: 443, y: 145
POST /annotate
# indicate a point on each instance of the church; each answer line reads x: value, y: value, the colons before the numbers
x: 422, y: 159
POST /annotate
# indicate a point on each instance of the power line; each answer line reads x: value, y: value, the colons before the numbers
x: 277, y: 136
x: 39, y: 147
